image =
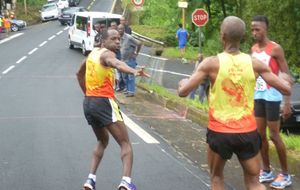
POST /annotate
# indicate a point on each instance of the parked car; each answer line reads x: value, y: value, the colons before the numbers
x: 50, y: 11
x: 67, y: 14
x: 74, y: 2
x: 16, y: 24
x: 81, y: 31
x: 62, y: 4
x: 293, y: 122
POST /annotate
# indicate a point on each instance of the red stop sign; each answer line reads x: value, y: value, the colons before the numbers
x: 200, y: 17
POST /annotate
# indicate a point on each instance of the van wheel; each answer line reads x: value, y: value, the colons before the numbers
x: 83, y: 49
x: 71, y: 46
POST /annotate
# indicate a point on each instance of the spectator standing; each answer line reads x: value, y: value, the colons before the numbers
x: 182, y: 36
x: 130, y: 48
x: 98, y: 38
x: 126, y: 25
x: 232, y: 126
x: 1, y: 27
x: 6, y: 24
x: 202, y: 87
x: 267, y: 102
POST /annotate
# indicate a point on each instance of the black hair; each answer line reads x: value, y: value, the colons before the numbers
x: 180, y: 25
x: 261, y: 18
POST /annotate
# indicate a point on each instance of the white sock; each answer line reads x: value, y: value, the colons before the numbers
x: 127, y: 179
x: 92, y: 176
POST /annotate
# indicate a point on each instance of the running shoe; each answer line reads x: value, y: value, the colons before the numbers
x: 281, y: 181
x: 126, y: 186
x: 265, y: 176
x: 90, y: 184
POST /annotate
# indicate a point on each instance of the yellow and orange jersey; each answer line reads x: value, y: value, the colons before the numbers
x: 231, y: 98
x: 99, y: 79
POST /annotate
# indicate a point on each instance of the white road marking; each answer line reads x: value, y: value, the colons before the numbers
x: 22, y: 59
x: 66, y: 28
x: 32, y: 51
x: 139, y: 131
x: 8, y: 69
x: 58, y: 33
x: 10, y: 37
x: 51, y: 37
x: 42, y: 44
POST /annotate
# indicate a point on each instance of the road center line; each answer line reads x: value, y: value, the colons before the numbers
x: 139, y: 131
x: 51, y: 37
x: 32, y: 51
x: 58, y: 33
x: 42, y: 44
x: 22, y: 59
x: 8, y: 69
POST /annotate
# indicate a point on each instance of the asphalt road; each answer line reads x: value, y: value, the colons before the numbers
x: 45, y: 142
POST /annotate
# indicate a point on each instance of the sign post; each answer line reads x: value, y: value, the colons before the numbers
x: 138, y: 3
x: 200, y: 18
x: 183, y: 5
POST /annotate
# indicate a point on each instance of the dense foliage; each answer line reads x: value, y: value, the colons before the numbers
x: 284, y: 17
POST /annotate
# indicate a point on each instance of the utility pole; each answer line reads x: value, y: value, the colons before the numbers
x: 25, y: 7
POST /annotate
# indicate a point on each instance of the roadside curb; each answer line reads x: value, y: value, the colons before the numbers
x: 195, y: 115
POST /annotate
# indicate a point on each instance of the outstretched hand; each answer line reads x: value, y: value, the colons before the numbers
x: 141, y: 72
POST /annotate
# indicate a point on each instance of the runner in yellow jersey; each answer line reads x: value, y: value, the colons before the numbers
x: 96, y: 79
x: 232, y: 125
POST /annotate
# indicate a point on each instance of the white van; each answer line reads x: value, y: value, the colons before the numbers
x: 82, y: 31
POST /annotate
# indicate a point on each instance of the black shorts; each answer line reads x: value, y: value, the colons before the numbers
x: 244, y: 145
x: 100, y: 112
x: 267, y: 109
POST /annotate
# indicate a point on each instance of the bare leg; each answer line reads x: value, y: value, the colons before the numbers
x: 274, y: 127
x: 102, y: 137
x: 261, y: 128
x: 120, y: 134
x: 216, y: 166
x: 251, y: 168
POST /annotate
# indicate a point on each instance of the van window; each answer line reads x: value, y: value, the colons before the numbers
x: 105, y: 21
x: 81, y: 23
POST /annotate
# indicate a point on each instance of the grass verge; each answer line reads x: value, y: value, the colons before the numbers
x: 291, y: 141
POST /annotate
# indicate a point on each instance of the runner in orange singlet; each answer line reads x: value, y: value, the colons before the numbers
x: 96, y: 79
x: 232, y: 125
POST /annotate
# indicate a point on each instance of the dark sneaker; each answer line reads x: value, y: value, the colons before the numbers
x: 265, y: 176
x: 126, y: 186
x: 130, y: 95
x: 281, y: 181
x: 90, y: 184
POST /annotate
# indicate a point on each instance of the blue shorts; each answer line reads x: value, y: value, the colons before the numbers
x: 181, y: 46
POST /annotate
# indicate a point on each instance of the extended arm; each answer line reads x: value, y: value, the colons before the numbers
x: 283, y: 85
x: 81, y: 76
x: 185, y: 86
x: 278, y: 54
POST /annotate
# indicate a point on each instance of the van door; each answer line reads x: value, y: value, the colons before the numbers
x: 79, y: 31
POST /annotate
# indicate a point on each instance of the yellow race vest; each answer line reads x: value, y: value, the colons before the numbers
x: 99, y: 79
x: 231, y: 98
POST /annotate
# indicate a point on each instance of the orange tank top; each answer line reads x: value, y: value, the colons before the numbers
x: 99, y: 79
x: 231, y: 98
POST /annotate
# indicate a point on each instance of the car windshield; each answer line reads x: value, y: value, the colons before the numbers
x: 49, y: 7
x: 71, y: 10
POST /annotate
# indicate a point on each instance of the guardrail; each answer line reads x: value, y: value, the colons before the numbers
x: 139, y: 36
